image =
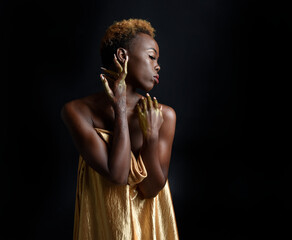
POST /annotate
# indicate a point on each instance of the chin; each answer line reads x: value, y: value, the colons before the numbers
x: 148, y: 88
x: 145, y: 84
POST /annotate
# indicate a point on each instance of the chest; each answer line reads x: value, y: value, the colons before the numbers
x: 136, y: 136
x: 106, y: 121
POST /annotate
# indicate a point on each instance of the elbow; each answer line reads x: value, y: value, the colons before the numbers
x: 119, y: 181
x: 115, y: 177
x: 149, y: 196
x: 117, y: 174
x: 152, y: 192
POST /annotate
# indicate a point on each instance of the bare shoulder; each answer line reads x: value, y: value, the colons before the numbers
x: 81, y: 108
x: 168, y: 128
x: 74, y: 108
x: 169, y: 122
x: 169, y: 113
x: 91, y: 109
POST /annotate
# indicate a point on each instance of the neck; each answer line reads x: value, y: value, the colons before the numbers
x: 132, y: 98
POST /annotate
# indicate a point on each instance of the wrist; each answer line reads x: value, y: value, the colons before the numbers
x: 120, y: 107
x: 151, y: 136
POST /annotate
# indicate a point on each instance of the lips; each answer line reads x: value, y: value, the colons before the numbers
x: 156, y: 77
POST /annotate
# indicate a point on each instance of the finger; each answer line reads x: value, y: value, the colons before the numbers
x: 155, y: 103
x: 149, y: 100
x: 118, y: 65
x: 160, y: 110
x: 110, y: 72
x: 140, y: 103
x: 144, y: 102
x: 125, y: 70
x: 139, y: 109
x: 106, y: 86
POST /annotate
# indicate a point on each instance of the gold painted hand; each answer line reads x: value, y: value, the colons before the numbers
x: 150, y: 116
x: 117, y: 90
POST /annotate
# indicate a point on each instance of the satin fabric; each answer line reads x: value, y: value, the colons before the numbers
x: 105, y: 211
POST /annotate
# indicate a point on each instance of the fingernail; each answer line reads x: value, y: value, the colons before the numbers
x: 147, y: 94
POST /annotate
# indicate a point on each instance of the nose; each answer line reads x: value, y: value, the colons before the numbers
x: 157, y: 68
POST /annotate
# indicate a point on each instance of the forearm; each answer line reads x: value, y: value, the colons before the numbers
x: 156, y: 179
x: 120, y: 150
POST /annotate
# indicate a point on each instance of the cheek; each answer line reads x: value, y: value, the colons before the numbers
x: 139, y: 68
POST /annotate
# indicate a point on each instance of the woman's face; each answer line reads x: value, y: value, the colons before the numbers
x: 143, y: 64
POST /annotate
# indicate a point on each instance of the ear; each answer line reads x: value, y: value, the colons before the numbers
x: 121, y: 54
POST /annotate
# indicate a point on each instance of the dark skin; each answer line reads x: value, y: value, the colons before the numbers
x: 139, y: 124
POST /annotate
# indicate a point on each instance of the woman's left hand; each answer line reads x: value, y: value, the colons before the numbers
x: 150, y: 116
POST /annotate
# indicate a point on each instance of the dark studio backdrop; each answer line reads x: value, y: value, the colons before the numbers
x: 223, y: 69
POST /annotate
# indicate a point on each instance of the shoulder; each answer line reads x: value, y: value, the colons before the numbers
x: 78, y: 108
x: 71, y: 108
x: 169, y: 113
x: 169, y: 121
x: 167, y: 130
x: 92, y: 109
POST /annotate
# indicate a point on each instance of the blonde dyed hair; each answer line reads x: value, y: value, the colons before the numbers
x: 120, y: 34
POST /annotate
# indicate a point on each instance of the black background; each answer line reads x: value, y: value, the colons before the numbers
x: 225, y: 68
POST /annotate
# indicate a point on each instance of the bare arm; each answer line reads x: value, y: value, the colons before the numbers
x: 113, y: 164
x: 156, y: 150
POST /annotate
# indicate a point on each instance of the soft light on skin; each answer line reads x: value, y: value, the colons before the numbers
x: 153, y: 52
x: 118, y: 77
x: 148, y: 106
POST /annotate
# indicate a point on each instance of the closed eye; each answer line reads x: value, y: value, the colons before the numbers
x: 153, y: 58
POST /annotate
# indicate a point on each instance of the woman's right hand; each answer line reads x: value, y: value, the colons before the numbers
x: 114, y: 83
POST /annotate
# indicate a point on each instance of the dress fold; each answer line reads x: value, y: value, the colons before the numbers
x: 107, y: 211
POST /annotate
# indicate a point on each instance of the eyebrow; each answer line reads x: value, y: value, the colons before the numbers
x: 152, y: 49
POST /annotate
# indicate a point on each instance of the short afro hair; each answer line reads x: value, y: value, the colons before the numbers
x: 120, y: 34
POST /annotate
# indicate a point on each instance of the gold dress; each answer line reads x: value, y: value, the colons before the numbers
x: 105, y: 211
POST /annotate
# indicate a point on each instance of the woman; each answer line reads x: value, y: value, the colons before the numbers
x: 125, y: 142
